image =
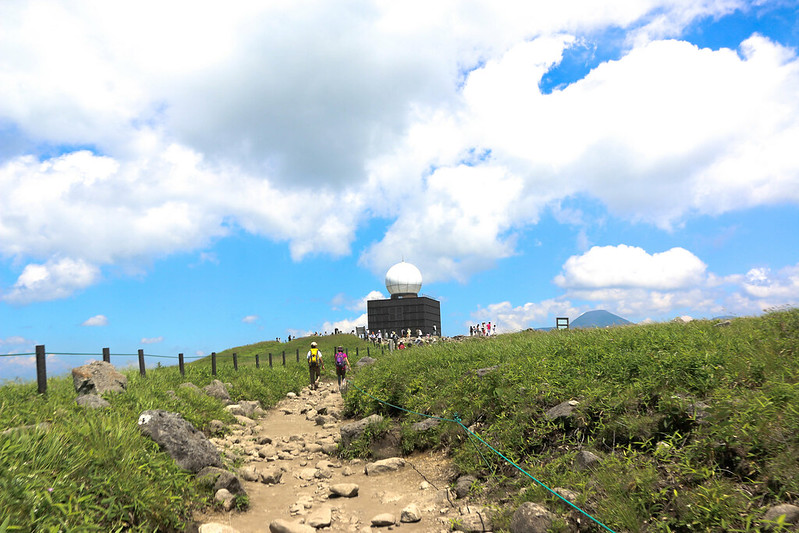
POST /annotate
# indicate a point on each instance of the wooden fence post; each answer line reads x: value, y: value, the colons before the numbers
x: 107, y: 355
x: 141, y: 363
x: 235, y: 361
x: 270, y: 359
x: 257, y: 361
x: 298, y: 355
x: 180, y: 365
x: 357, y: 352
x: 367, y: 351
x: 213, y: 363
x: 41, y: 369
x: 284, y: 357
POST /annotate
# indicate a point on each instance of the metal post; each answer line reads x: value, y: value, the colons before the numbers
x: 41, y: 369
x: 270, y: 359
x: 180, y: 365
x: 357, y: 351
x: 367, y: 351
x: 235, y: 361
x: 107, y: 355
x: 257, y: 361
x: 284, y: 357
x: 298, y: 355
x: 213, y: 363
x: 141, y: 363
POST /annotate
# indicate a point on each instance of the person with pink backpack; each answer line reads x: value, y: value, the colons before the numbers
x: 342, y: 365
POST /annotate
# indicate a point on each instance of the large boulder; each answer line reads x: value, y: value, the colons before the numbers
x: 189, y: 448
x: 353, y: 430
x: 98, y: 377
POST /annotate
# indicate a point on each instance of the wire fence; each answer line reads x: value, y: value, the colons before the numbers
x: 41, y: 360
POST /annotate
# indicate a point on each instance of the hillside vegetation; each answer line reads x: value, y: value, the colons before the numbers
x: 67, y: 468
x: 696, y: 426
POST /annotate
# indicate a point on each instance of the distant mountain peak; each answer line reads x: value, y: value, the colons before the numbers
x: 598, y: 318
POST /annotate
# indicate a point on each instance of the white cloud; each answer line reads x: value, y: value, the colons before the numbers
x: 346, y: 325
x: 97, y: 320
x: 250, y: 319
x: 55, y: 279
x: 196, y: 128
x: 508, y: 318
x: 632, y: 267
x: 773, y: 289
x: 151, y: 340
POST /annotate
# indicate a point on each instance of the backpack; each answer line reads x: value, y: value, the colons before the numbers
x: 340, y: 359
x: 314, y: 360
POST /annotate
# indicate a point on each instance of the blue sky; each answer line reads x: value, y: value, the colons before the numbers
x: 184, y: 178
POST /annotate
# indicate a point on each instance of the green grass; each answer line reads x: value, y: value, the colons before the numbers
x: 697, y: 426
x: 91, y: 470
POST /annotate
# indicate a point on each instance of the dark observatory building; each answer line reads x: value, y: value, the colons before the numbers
x: 405, y: 309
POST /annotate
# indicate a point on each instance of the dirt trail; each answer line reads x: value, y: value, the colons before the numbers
x: 298, y: 437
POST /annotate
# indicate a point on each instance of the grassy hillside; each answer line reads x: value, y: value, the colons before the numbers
x: 66, y: 468
x: 697, y: 425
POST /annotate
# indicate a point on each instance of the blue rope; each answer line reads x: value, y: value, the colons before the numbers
x: 457, y: 420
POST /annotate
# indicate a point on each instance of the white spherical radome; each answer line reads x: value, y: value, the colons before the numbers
x: 403, y: 278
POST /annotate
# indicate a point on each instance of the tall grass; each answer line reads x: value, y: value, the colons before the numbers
x: 67, y: 468
x: 697, y: 424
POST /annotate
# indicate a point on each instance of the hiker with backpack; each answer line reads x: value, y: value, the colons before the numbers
x: 315, y: 365
x: 342, y: 365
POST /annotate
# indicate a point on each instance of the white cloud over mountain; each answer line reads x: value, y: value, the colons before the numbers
x: 134, y: 149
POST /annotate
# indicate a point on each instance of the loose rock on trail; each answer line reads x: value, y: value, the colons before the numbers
x: 295, y: 482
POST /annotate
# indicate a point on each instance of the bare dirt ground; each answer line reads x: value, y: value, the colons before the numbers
x: 298, y: 437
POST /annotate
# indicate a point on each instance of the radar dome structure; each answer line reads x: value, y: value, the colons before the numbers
x: 403, y: 279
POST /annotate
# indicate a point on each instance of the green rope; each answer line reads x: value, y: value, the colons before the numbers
x: 457, y: 420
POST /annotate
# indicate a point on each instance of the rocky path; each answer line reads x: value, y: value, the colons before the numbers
x: 295, y: 482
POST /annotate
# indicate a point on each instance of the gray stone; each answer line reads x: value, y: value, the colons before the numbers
x: 216, y: 389
x: 190, y: 386
x: 426, y: 424
x: 531, y: 518
x: 189, y: 448
x: 215, y: 527
x: 270, y: 475
x: 791, y: 513
x: 562, y: 410
x: 321, y: 517
x: 473, y: 522
x: 224, y: 497
x: 216, y: 427
x: 352, y: 431
x: 391, y: 464
x: 365, y: 361
x: 411, y: 513
x: 464, y: 485
x: 344, y: 490
x: 249, y: 473
x: 92, y: 401
x: 98, y: 377
x: 284, y: 526
x: 220, y: 478
x: 586, y: 460
x: 383, y: 520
